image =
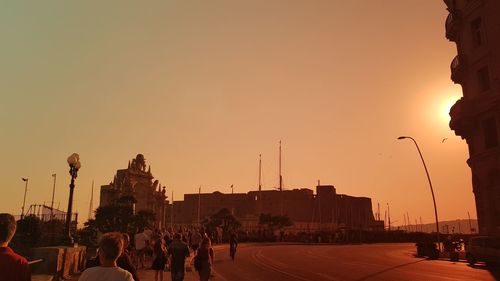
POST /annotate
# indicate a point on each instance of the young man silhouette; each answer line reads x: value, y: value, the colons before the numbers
x: 12, y: 265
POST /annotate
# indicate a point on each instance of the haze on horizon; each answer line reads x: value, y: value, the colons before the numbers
x: 202, y: 88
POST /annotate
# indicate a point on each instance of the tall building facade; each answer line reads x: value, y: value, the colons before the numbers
x: 324, y: 210
x: 137, y: 182
x: 474, y: 25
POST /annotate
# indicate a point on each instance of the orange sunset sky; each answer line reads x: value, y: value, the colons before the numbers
x: 201, y: 88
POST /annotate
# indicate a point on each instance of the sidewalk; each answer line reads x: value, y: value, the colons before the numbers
x: 149, y: 275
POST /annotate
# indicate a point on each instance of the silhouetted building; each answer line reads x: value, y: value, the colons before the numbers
x: 135, y: 184
x: 324, y: 210
x: 474, y: 25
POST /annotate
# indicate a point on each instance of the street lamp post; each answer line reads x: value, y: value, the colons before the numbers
x: 430, y: 184
x: 74, y: 166
x: 24, y: 200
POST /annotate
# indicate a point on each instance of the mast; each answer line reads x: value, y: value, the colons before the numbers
x: 172, y: 212
x: 281, y: 178
x: 378, y: 211
x: 470, y: 224
x: 389, y: 216
x: 91, y: 201
x: 281, y: 184
x: 52, y: 202
x: 199, y: 203
x: 260, y: 173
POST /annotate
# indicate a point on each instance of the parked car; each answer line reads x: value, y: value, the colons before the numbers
x: 484, y: 249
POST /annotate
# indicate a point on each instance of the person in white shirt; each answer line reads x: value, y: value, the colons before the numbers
x: 110, y: 248
x: 140, y: 239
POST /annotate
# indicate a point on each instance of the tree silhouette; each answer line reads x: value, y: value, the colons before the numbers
x: 223, y: 219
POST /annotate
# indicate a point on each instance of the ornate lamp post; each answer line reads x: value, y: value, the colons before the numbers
x: 430, y: 184
x: 74, y: 166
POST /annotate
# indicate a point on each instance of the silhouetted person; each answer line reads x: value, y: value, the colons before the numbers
x: 177, y: 252
x: 12, y: 266
x: 204, y: 259
x: 110, y: 248
x: 233, y: 244
x: 123, y: 260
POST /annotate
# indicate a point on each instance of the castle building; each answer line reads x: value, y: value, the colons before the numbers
x: 136, y: 183
x: 324, y: 210
x: 474, y: 25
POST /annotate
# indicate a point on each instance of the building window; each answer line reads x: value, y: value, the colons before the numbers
x: 483, y: 77
x: 490, y: 133
x: 475, y: 27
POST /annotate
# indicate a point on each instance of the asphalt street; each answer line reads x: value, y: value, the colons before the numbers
x: 278, y: 262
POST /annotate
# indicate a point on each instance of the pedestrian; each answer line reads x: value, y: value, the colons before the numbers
x: 204, y: 259
x: 160, y: 258
x: 177, y: 253
x: 123, y: 260
x: 110, y: 248
x: 195, y: 240
x: 12, y: 265
x: 233, y: 244
x: 140, y: 247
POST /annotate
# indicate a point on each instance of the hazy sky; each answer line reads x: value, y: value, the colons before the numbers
x: 201, y: 88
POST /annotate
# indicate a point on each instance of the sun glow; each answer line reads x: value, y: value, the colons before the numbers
x: 438, y: 103
x: 445, y: 107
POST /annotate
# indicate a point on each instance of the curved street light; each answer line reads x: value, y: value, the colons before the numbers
x: 430, y: 184
x: 74, y: 166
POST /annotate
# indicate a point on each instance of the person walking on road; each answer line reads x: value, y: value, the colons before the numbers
x: 160, y: 258
x: 110, y: 248
x: 233, y: 244
x: 204, y: 259
x: 177, y: 253
x: 140, y: 248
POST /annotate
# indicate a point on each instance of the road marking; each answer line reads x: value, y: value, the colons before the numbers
x: 326, y: 276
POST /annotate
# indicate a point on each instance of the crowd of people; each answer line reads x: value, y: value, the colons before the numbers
x: 160, y: 251
x: 118, y: 257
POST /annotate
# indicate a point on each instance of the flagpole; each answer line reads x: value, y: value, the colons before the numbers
x: 24, y: 200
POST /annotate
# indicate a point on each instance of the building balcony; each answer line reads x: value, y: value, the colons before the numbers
x: 452, y: 26
x: 463, y: 121
x: 458, y: 65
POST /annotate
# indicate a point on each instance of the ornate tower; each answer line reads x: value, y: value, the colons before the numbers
x: 136, y: 186
x: 474, y: 25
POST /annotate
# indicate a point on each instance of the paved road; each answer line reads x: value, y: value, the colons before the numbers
x: 386, y: 262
